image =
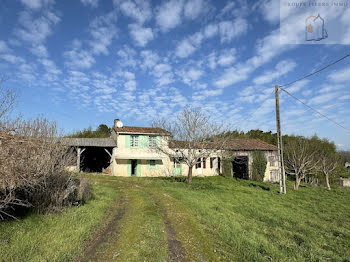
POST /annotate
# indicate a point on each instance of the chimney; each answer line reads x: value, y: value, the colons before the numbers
x: 115, y: 123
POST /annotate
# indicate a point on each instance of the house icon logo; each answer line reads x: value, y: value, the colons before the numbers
x: 314, y: 28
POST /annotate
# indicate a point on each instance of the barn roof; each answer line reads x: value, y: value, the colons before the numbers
x: 238, y: 144
x: 96, y: 142
x: 141, y: 130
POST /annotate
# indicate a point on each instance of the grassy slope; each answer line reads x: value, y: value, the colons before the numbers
x: 251, y: 221
x: 54, y: 237
x: 215, y: 219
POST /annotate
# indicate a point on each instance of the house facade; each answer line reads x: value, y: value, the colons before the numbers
x: 137, y: 154
x: 141, y: 152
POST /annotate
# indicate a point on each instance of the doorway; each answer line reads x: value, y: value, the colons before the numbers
x: 240, y: 167
x: 133, y: 167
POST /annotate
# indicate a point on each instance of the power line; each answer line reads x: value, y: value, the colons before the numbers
x: 313, y: 73
x: 314, y: 110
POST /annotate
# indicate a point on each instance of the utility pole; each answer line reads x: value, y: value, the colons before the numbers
x: 279, y: 145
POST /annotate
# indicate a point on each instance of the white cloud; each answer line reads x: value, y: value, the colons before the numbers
x: 36, y: 30
x: 127, y: 57
x: 298, y: 86
x: 341, y: 75
x: 270, y: 10
x: 36, y: 4
x: 139, y: 10
x: 281, y: 69
x: 190, y: 76
x: 227, y: 8
x: 233, y: 75
x: 169, y: 15
x: 266, y: 49
x: 77, y: 57
x: 130, y: 85
x: 4, y: 47
x: 39, y: 50
x: 103, y: 31
x: 193, y: 8
x: 184, y: 49
x: 92, y: 3
x: 12, y: 58
x: 150, y: 58
x: 210, y: 30
x: 320, y: 99
x: 227, y: 57
x: 231, y: 29
x: 142, y: 35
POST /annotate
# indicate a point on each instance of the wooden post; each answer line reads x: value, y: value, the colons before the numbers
x: 79, y: 152
x: 279, y: 145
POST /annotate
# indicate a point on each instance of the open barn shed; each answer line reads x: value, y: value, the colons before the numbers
x: 92, y: 154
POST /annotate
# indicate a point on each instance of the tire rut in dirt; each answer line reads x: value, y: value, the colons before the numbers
x: 176, y: 251
x: 100, y: 237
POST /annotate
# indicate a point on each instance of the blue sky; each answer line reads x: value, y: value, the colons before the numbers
x: 86, y: 62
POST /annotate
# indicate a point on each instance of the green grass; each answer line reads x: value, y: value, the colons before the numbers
x: 55, y: 237
x: 215, y: 219
x: 250, y: 221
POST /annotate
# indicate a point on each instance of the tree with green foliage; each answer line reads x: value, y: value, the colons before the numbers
x: 258, y: 165
x: 102, y: 131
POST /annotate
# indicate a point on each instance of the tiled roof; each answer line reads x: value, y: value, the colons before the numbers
x: 141, y: 130
x: 244, y: 144
x: 95, y: 142
x: 248, y: 144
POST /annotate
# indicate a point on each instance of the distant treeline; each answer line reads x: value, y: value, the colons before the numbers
x: 102, y: 131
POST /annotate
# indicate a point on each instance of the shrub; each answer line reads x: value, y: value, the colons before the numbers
x: 32, y: 170
x: 258, y: 165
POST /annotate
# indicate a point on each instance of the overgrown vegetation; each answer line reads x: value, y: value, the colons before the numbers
x: 32, y: 166
x: 56, y: 237
x: 102, y: 131
x: 258, y: 165
x: 214, y: 219
x: 310, y: 159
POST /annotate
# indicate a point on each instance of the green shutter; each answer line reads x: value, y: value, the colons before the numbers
x: 138, y: 168
x: 156, y: 167
x: 129, y: 167
x: 127, y: 141
x: 159, y: 141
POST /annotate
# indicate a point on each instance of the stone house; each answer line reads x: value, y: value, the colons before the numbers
x: 131, y: 152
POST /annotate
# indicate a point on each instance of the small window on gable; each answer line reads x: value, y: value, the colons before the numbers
x: 134, y: 141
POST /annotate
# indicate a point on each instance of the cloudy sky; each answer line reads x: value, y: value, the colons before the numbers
x: 86, y: 62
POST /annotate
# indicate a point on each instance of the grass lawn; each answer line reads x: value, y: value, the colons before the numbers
x: 214, y: 219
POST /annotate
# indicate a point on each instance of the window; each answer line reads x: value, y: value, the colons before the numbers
x: 198, y: 165
x: 272, y: 161
x: 204, y: 162
x: 134, y: 141
x: 152, y: 141
x: 152, y: 163
x: 211, y: 162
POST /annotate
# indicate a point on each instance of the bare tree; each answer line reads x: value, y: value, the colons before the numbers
x: 194, y: 137
x: 300, y: 158
x: 7, y: 100
x: 328, y: 163
x: 32, y: 168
